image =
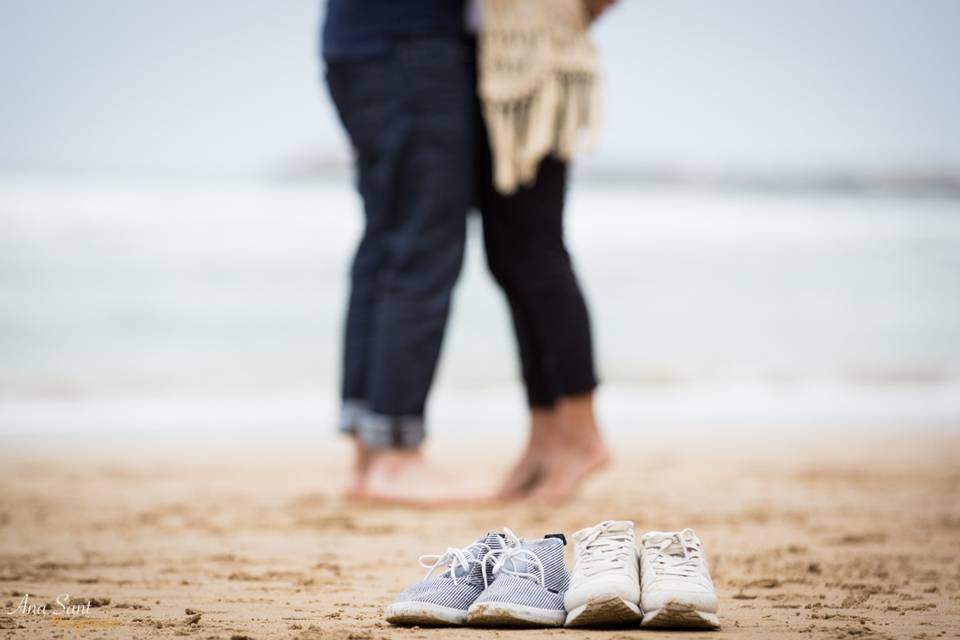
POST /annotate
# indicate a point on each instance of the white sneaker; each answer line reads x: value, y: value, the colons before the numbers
x: 604, y: 584
x: 676, y: 587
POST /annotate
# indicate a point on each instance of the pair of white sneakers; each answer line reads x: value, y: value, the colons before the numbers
x: 661, y: 582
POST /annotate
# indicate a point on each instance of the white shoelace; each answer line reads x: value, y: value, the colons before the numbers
x: 505, y: 560
x: 609, y: 545
x: 676, y: 554
x: 454, y: 559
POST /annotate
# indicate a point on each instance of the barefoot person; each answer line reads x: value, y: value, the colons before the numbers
x: 538, y: 87
x: 402, y: 76
x: 399, y: 74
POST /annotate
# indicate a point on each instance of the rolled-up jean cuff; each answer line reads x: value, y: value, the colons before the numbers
x: 351, y: 413
x: 379, y: 431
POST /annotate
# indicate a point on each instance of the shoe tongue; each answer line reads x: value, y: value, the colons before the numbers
x: 550, y: 553
x: 612, y: 527
x: 488, y: 542
x: 493, y: 540
x: 676, y: 547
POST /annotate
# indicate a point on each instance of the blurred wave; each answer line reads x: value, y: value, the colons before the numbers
x: 168, y: 293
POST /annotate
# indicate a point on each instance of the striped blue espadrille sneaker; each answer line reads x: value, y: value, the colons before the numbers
x: 529, y: 579
x: 443, y: 599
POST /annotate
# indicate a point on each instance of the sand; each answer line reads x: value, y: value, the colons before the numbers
x: 821, y: 536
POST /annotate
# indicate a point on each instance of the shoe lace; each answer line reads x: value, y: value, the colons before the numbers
x: 609, y: 545
x: 453, y: 559
x: 677, y: 554
x: 507, y: 560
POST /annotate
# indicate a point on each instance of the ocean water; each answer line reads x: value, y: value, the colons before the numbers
x: 186, y: 305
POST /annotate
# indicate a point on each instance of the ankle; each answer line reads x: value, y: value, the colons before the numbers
x: 543, y: 427
x: 585, y: 446
x: 577, y: 426
x: 361, y: 455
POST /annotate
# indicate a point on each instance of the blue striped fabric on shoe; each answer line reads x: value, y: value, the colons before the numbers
x: 445, y: 598
x: 530, y: 578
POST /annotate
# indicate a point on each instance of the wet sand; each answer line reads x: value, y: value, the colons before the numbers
x: 827, y: 536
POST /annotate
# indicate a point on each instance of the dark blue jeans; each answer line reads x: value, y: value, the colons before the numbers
x: 409, y: 116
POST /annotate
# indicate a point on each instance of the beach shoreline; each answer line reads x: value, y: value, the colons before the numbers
x: 823, y: 535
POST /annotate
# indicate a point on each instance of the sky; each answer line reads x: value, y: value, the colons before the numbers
x: 234, y: 87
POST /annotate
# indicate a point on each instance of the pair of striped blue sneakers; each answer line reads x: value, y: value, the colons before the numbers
x: 502, y: 580
x: 499, y: 580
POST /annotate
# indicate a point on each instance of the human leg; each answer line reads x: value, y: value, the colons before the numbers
x: 526, y: 253
x: 406, y: 114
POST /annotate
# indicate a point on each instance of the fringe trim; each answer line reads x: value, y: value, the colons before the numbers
x: 540, y: 91
x: 549, y: 121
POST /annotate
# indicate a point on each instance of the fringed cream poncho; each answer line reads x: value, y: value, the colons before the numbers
x: 538, y: 83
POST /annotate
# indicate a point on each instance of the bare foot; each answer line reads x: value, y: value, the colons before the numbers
x: 524, y: 474
x: 402, y: 476
x: 574, y: 452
